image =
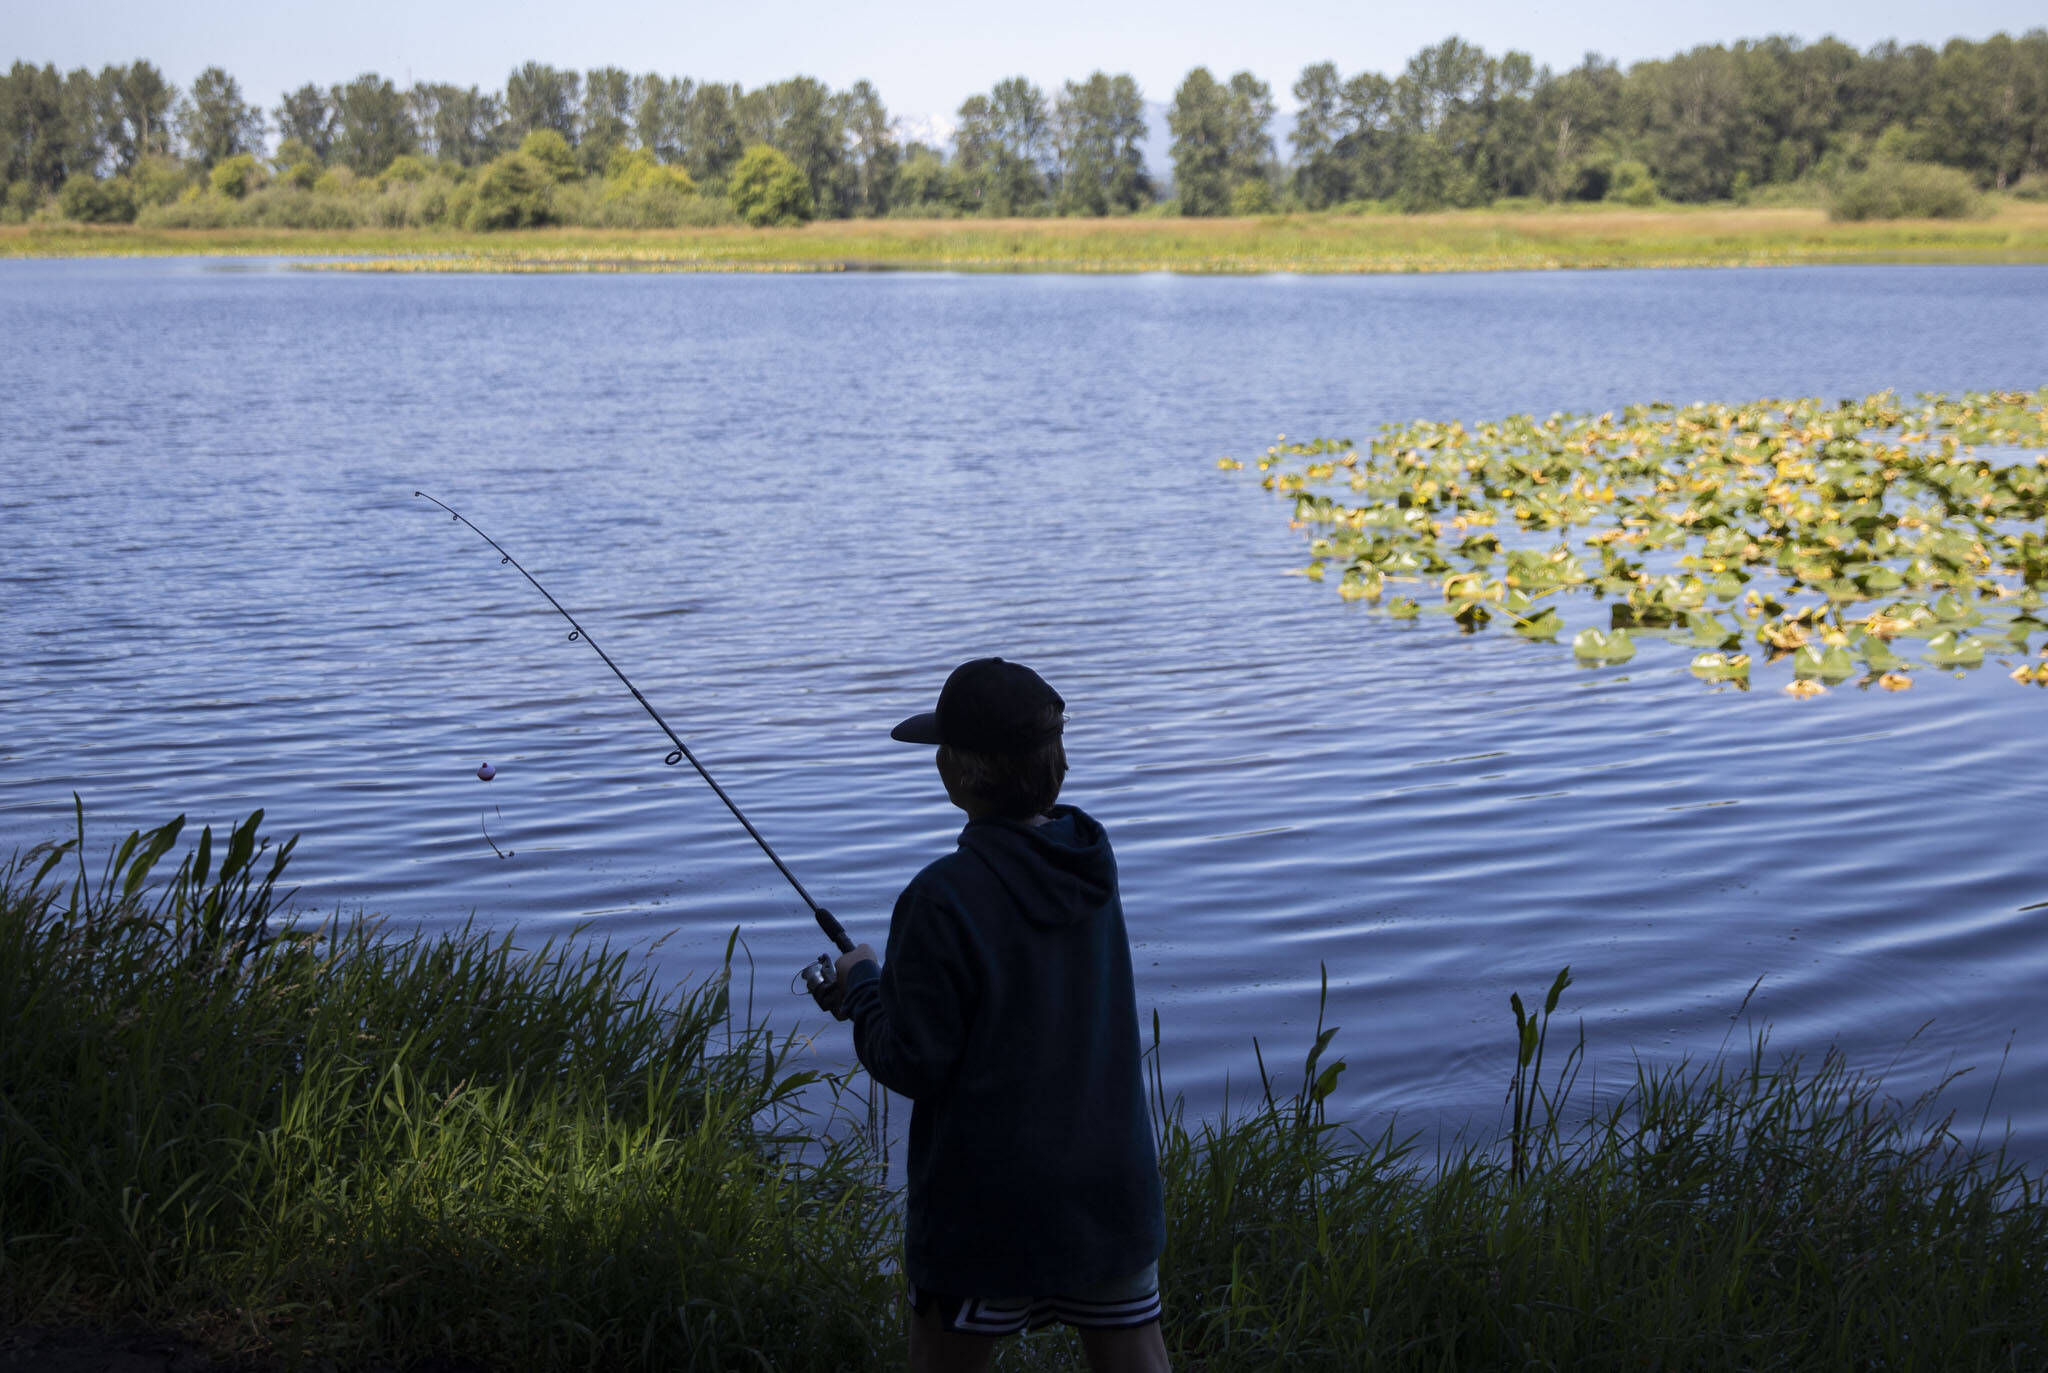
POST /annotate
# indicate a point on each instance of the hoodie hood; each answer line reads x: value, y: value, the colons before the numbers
x: 1060, y: 872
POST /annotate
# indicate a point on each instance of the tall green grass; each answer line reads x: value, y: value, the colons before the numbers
x: 344, y: 1147
x: 1749, y: 1213
x: 354, y: 1150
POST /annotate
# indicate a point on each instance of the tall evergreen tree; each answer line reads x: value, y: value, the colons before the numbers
x: 871, y: 148
x: 800, y: 119
x: 1200, y: 122
x: 374, y: 124
x: 35, y: 137
x: 712, y: 144
x: 215, y: 122
x: 538, y: 96
x: 456, y: 124
x: 307, y: 116
x: 1251, y: 130
x: 605, y: 122
x: 1098, y: 133
x: 660, y: 112
x: 139, y: 102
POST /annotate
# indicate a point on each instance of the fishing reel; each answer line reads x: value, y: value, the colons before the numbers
x: 821, y: 980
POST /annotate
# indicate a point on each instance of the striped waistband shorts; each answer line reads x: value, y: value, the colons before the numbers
x: 1121, y: 1304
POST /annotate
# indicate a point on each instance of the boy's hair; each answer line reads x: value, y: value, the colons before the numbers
x: 1013, y: 786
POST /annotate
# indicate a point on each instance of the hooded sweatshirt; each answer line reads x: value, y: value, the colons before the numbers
x: 1004, y: 1010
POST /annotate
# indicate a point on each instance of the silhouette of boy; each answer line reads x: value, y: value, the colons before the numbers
x: 1005, y: 1012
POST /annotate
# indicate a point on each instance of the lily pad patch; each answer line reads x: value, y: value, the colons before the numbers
x: 1859, y: 540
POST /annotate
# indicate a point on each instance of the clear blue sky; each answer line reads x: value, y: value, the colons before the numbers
x: 924, y: 56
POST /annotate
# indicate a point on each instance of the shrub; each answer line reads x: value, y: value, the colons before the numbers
x: 405, y: 167
x: 1905, y: 190
x: 90, y: 200
x: 638, y: 170
x: 158, y: 180
x: 767, y: 188
x: 304, y: 175
x: 236, y: 176
x: 1252, y: 197
x: 516, y: 192
x: 1630, y: 183
x: 291, y: 153
x: 335, y: 181
x: 22, y: 200
x: 199, y: 212
x: 291, y: 207
x: 551, y: 153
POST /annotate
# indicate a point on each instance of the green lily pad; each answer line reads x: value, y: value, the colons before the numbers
x: 1950, y: 649
x: 1590, y: 645
x: 1722, y: 667
x: 1830, y: 664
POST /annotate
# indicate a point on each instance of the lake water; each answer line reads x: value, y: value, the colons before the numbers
x: 788, y: 506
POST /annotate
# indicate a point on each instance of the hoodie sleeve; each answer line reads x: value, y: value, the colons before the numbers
x: 910, y: 1018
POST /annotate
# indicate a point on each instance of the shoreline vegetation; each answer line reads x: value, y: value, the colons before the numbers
x: 1497, y: 239
x: 294, y: 1143
x: 1884, y: 133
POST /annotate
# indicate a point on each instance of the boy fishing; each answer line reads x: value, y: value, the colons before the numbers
x: 1005, y: 1011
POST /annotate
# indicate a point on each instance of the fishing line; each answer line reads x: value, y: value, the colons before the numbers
x: 502, y: 853
x: 681, y: 752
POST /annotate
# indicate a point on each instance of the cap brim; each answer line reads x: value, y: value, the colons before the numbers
x: 918, y: 729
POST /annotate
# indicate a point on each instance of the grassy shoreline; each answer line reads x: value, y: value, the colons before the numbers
x: 354, y: 1152
x: 1456, y: 241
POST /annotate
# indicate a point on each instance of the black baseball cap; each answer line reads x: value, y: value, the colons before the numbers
x: 989, y: 706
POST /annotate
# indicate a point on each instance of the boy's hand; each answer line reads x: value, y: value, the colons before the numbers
x: 860, y: 953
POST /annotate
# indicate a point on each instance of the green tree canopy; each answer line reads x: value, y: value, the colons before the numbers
x: 800, y: 118
x: 36, y: 145
x: 215, y: 122
x: 456, y: 124
x: 374, y: 124
x: 1098, y: 131
x: 538, y: 96
x: 306, y: 116
x: 605, y: 122
x: 1004, y: 143
x: 138, y: 104
x: 1200, y: 121
x: 871, y: 152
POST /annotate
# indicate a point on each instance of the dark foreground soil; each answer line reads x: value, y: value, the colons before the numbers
x: 82, y: 1349
x: 59, y: 1349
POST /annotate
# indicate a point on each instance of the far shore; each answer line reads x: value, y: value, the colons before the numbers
x: 1520, y: 239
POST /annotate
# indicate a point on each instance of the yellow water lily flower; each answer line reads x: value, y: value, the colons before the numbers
x: 1895, y: 681
x: 1804, y: 687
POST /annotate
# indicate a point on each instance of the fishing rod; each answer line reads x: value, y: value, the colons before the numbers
x: 819, y: 977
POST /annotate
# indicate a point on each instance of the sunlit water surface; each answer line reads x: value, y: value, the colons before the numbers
x: 788, y: 506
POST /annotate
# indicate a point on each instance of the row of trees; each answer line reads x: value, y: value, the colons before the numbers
x: 1457, y: 126
x: 1461, y: 127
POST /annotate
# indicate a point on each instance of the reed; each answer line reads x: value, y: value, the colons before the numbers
x: 332, y: 1145
x: 1753, y: 1212
x: 354, y: 1149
